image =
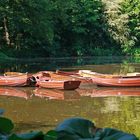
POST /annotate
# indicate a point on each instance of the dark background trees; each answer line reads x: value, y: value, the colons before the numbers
x: 58, y: 28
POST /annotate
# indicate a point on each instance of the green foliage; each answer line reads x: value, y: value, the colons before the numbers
x: 132, y: 9
x: 2, y: 55
x: 6, y: 125
x: 58, y: 28
x: 50, y: 135
x: 27, y: 21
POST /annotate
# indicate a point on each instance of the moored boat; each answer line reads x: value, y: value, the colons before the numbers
x: 60, y: 76
x: 59, y: 84
x: 71, y: 75
x: 117, y: 82
x: 128, y: 80
x: 91, y: 74
x: 20, y: 80
x: 67, y: 73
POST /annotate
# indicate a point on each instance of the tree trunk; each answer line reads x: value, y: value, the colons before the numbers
x: 6, y: 32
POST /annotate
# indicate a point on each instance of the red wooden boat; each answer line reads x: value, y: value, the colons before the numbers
x: 54, y: 84
x: 67, y: 73
x: 91, y: 74
x: 117, y: 81
x: 73, y: 75
x: 20, y: 80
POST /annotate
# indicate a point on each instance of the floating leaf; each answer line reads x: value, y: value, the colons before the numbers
x: 6, y: 125
x: 27, y: 136
x: 51, y: 135
x: 113, y: 134
x: 76, y: 126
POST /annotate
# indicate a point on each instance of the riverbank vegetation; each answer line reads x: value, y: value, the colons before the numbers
x: 59, y: 28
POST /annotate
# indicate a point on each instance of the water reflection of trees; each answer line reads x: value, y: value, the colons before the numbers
x: 118, y: 64
x: 126, y: 68
x: 111, y: 105
x: 123, y: 113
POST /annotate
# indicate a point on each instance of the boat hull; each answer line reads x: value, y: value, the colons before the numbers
x: 13, y: 80
x: 52, y: 84
x: 117, y: 82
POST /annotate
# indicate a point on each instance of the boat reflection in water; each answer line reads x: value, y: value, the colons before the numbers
x: 30, y: 93
x: 13, y: 92
x: 105, y: 92
x: 56, y: 94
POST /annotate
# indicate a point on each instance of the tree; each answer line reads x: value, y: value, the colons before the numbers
x: 25, y: 24
x: 132, y: 9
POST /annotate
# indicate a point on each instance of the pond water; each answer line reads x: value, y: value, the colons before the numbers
x: 107, y: 107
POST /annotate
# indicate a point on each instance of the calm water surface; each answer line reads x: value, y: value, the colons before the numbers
x: 107, y: 107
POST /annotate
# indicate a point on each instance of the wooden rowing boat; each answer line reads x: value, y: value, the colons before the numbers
x: 89, y: 73
x: 71, y: 75
x: 20, y: 80
x: 118, y: 81
x: 9, y: 73
x: 67, y: 73
x: 48, y: 75
x: 57, y: 84
x: 128, y: 80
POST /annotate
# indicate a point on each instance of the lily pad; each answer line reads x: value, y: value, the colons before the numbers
x: 82, y: 129
x: 76, y: 128
x: 114, y: 134
x: 51, y: 135
x: 6, y: 125
x: 27, y: 136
